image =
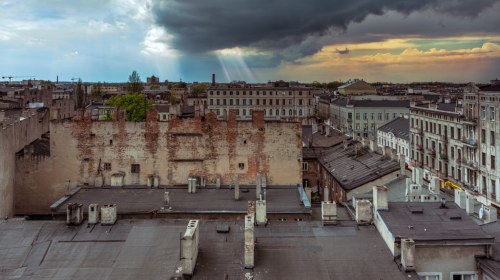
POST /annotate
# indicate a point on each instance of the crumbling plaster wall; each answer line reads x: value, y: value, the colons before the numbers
x: 14, y: 136
x: 173, y: 150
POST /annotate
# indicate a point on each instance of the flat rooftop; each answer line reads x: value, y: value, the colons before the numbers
x: 284, y: 199
x: 149, y: 249
x: 426, y: 221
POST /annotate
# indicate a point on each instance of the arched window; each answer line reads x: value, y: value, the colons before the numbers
x: 277, y: 112
x: 290, y: 112
x: 283, y: 112
x: 300, y: 112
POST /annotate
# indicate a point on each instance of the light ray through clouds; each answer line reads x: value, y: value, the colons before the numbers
x: 233, y: 65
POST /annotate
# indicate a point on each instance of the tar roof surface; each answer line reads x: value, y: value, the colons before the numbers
x: 149, y: 249
x: 400, y: 127
x: 352, y: 170
x: 205, y: 200
x: 433, y: 224
x: 373, y: 103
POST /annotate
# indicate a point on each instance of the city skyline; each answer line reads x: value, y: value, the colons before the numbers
x: 397, y: 41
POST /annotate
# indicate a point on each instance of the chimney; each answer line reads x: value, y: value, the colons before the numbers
x: 261, y: 212
x: 217, y: 182
x: 189, y: 247
x: 434, y: 184
x: 328, y: 212
x: 380, y: 198
x: 249, y: 246
x: 237, y: 188
x: 213, y: 79
x: 258, y: 186
x: 326, y: 194
x: 373, y: 145
x: 363, y: 211
x: 408, y: 254
x: 192, y: 184
x: 489, y: 214
x: 74, y: 214
x: 417, y: 175
x: 469, y: 204
x: 166, y: 200
x: 108, y: 214
x: 460, y: 198
x: 93, y: 214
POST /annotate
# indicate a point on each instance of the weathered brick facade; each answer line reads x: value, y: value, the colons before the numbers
x: 86, y: 152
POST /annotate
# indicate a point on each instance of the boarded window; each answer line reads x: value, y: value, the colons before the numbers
x: 135, y: 168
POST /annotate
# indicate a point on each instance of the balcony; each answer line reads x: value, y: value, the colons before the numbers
x: 469, y: 142
x: 469, y: 120
x: 416, y: 130
x: 469, y: 164
x: 431, y: 152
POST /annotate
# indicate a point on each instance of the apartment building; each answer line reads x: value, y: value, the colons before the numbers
x: 481, y: 107
x: 277, y: 102
x: 458, y: 141
x: 362, y: 118
x: 395, y: 135
x: 443, y: 143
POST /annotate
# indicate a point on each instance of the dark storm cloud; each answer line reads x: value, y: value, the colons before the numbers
x: 200, y: 25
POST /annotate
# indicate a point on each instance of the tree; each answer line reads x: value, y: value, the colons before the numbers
x: 134, y: 84
x: 333, y: 85
x: 198, y: 88
x: 135, y: 104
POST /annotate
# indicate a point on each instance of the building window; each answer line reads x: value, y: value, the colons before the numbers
x: 429, y: 276
x: 135, y: 168
x: 483, y: 112
x: 492, y: 162
x: 365, y: 116
x: 357, y: 116
x: 492, y: 138
x: 463, y: 276
x: 290, y: 112
x: 305, y: 166
x: 230, y: 102
x: 379, y: 116
x: 492, y: 113
x: 483, y: 136
x: 283, y: 112
x: 218, y: 102
x: 386, y: 116
x: 107, y: 166
x: 241, y: 165
x: 372, y: 116
x: 300, y: 112
x: 483, y: 159
x: 211, y: 102
x: 244, y: 112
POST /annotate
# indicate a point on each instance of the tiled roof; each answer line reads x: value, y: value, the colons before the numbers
x: 353, y: 168
x: 400, y: 127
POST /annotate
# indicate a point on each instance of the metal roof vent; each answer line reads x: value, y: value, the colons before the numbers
x: 416, y: 210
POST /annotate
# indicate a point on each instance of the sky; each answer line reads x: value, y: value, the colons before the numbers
x: 251, y: 40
